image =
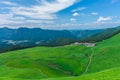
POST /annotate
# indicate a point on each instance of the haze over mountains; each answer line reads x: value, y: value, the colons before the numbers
x: 40, y: 36
x: 33, y: 35
x: 26, y: 37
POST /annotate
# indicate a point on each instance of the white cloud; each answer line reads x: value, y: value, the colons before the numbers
x: 94, y: 13
x: 75, y: 14
x: 101, y: 18
x: 43, y: 16
x: 92, y: 25
x: 9, y: 20
x: 35, y: 16
x: 79, y: 9
x: 46, y: 10
x: 8, y: 3
x: 73, y: 19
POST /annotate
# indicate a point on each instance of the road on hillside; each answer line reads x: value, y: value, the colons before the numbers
x: 89, y: 62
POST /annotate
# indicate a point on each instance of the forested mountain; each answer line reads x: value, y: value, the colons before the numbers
x: 102, y: 35
x: 11, y: 39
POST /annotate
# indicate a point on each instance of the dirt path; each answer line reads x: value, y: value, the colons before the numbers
x: 43, y: 74
x: 89, y: 62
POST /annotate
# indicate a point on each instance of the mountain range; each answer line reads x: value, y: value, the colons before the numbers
x: 11, y: 39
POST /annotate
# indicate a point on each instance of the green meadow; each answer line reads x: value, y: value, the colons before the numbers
x: 71, y: 62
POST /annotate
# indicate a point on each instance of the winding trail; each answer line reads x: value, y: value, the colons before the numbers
x: 89, y: 62
x: 43, y: 74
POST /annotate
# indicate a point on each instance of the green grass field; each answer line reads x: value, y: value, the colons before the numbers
x: 65, y: 61
x: 110, y: 74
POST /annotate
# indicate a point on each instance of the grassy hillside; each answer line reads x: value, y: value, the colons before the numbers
x: 105, y: 62
x: 110, y: 74
x: 52, y: 62
x: 103, y: 35
x: 42, y: 62
x: 106, y: 55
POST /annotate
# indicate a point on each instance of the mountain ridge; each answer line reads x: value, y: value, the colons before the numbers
x: 12, y: 39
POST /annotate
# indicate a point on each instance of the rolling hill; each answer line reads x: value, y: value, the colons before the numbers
x: 102, y: 35
x: 110, y: 74
x: 85, y: 33
x: 65, y: 61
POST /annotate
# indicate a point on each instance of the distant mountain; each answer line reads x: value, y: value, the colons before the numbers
x: 12, y: 39
x: 26, y: 37
x: 34, y: 34
x: 85, y: 33
x: 103, y: 35
x: 37, y: 36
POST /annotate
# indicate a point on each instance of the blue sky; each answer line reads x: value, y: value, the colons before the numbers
x: 60, y: 14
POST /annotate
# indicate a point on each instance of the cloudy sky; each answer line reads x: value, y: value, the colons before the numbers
x: 60, y: 14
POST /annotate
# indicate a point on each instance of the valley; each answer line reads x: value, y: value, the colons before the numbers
x: 21, y: 38
x: 80, y: 61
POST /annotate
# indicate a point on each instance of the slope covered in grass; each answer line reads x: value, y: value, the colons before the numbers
x: 65, y: 61
x: 43, y: 62
x: 105, y: 62
x: 103, y: 35
x: 110, y: 74
x: 106, y: 54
